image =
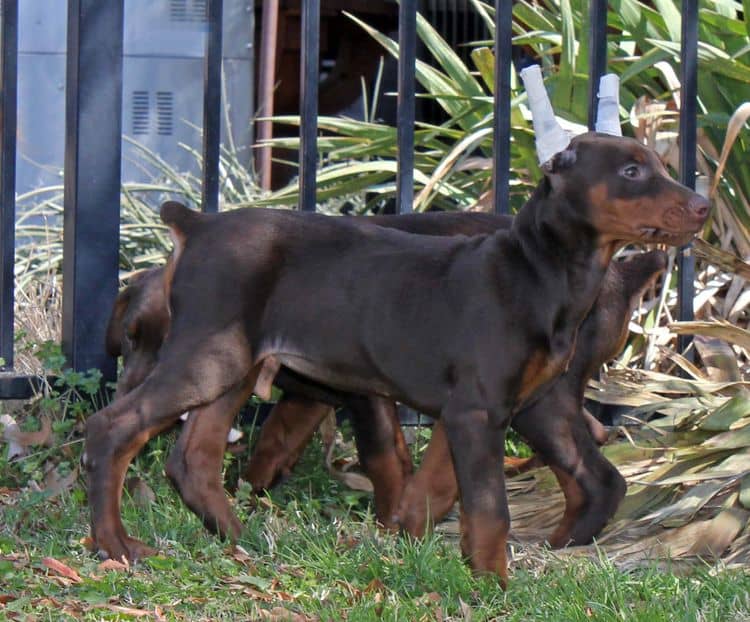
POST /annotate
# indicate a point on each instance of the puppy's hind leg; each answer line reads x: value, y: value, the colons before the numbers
x: 195, y: 464
x: 383, y: 452
x: 191, y: 372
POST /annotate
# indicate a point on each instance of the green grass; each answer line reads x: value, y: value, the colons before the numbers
x: 314, y: 552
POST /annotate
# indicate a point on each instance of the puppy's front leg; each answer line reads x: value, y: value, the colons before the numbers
x: 477, y: 442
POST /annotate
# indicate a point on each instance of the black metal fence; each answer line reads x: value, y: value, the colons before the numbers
x: 93, y: 151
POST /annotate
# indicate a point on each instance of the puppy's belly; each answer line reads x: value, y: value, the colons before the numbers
x: 336, y: 377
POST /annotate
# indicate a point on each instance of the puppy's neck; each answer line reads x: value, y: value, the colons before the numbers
x: 562, y: 248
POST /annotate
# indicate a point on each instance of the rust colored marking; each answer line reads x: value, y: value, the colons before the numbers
x: 575, y: 502
x: 483, y: 542
x: 264, y: 382
x: 538, y: 370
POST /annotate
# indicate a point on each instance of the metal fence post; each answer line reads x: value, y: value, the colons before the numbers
x: 688, y: 125
x: 501, y: 128
x: 8, y: 90
x: 212, y: 108
x: 310, y: 54
x: 405, y: 115
x: 597, y: 53
x: 93, y: 133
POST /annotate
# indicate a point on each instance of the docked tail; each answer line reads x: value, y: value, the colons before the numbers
x: 178, y: 217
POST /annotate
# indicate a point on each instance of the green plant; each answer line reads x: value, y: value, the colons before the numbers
x: 50, y: 423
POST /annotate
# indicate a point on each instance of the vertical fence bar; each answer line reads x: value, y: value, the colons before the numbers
x: 501, y: 128
x: 93, y: 134
x: 688, y: 125
x: 405, y: 114
x: 405, y: 118
x: 308, y: 133
x: 8, y: 91
x: 597, y: 66
x: 597, y: 53
x: 266, y: 80
x: 212, y: 107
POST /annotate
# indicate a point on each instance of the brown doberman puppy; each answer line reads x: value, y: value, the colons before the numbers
x: 521, y: 292
x: 139, y: 323
x: 552, y: 422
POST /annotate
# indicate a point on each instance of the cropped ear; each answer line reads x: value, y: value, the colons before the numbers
x: 560, y: 162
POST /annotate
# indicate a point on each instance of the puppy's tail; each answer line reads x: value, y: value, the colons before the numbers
x: 181, y: 220
x: 179, y: 217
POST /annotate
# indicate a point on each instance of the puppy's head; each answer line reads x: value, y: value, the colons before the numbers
x: 137, y: 327
x: 621, y: 189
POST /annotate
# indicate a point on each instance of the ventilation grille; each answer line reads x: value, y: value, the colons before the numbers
x: 188, y: 10
x: 142, y: 117
x: 140, y: 113
x: 164, y: 112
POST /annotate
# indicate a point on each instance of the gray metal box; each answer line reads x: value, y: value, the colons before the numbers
x: 164, y: 42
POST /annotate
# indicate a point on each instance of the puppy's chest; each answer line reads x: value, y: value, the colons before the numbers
x: 547, y: 360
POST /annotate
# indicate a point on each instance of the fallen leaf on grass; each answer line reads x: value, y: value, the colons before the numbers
x: 294, y: 571
x: 429, y: 597
x: 433, y: 600
x: 465, y: 610
x: 26, y: 439
x: 279, y: 614
x: 254, y: 594
x: 113, y: 564
x: 376, y: 585
x: 7, y: 598
x: 130, y: 611
x: 241, y: 556
x: 352, y: 480
x: 61, y: 569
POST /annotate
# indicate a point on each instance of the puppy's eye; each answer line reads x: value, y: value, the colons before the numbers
x: 632, y: 171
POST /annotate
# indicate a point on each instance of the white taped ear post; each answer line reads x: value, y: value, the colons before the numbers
x: 550, y: 138
x: 608, y: 107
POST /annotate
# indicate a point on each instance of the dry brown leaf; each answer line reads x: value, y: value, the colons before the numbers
x: 241, y: 556
x: 715, y: 328
x: 353, y: 480
x: 725, y: 261
x: 465, y: 610
x: 719, y: 359
x: 27, y: 439
x: 376, y: 585
x: 256, y: 594
x: 113, y: 564
x: 718, y: 534
x: 279, y: 614
x: 736, y: 123
x: 61, y: 569
x: 128, y: 611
